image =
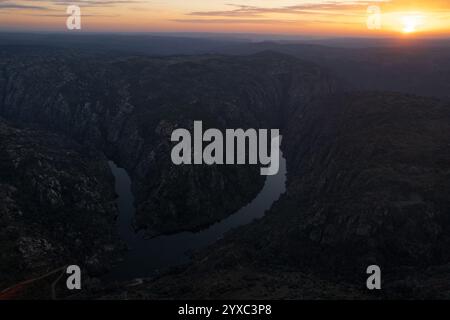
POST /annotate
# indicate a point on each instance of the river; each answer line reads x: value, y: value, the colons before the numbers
x: 148, y: 257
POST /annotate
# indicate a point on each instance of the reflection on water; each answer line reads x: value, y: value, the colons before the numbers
x: 149, y: 256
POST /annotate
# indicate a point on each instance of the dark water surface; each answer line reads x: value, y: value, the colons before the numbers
x: 148, y: 257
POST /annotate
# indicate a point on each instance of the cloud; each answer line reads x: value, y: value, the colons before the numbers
x: 235, y: 21
x: 47, y: 5
x: 95, y: 3
x: 323, y: 7
x: 259, y: 21
x: 84, y: 15
x: 12, y: 5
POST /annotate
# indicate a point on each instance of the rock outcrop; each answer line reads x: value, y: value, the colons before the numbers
x: 368, y: 183
x: 368, y: 173
x: 57, y: 206
x: 128, y: 106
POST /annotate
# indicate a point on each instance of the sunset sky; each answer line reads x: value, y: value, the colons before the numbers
x: 296, y: 17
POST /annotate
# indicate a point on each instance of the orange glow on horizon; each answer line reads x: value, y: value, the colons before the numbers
x: 293, y: 17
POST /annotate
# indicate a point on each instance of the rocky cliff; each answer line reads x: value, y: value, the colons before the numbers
x: 57, y: 206
x: 128, y: 106
x: 368, y: 183
x: 367, y: 172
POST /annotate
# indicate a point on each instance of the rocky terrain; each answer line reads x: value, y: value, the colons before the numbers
x: 401, y: 66
x: 368, y: 184
x: 128, y: 107
x: 373, y: 177
x: 124, y: 108
x: 57, y: 206
x: 368, y: 172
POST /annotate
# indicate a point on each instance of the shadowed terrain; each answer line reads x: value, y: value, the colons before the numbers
x: 368, y: 166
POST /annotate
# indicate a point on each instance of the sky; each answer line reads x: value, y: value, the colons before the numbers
x: 293, y: 17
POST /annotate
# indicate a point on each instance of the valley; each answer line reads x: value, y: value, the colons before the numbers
x: 367, y: 162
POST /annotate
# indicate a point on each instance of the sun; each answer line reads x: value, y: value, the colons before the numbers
x: 411, y: 23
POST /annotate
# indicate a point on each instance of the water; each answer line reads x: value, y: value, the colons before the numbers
x: 148, y: 257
